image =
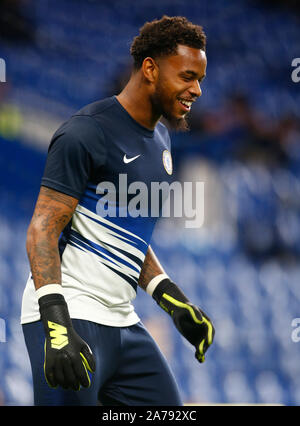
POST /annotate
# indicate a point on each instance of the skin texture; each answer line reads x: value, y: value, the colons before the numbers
x: 151, y: 268
x: 52, y: 213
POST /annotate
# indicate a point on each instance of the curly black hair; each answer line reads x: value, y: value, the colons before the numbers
x: 161, y: 38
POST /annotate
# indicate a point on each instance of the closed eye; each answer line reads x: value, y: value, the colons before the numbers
x: 187, y: 79
x: 191, y: 77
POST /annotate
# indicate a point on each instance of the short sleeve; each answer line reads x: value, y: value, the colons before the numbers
x: 76, y: 149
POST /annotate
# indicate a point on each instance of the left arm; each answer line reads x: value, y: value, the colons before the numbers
x: 151, y: 269
x: 190, y: 321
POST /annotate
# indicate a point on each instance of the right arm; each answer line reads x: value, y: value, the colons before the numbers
x: 52, y: 213
x: 65, y: 351
x: 73, y: 150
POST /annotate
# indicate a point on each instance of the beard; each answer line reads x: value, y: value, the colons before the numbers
x: 172, y: 123
x: 176, y: 124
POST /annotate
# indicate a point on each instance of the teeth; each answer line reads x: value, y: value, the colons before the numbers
x: 187, y: 103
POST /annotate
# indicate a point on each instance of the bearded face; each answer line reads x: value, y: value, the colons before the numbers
x: 178, y: 85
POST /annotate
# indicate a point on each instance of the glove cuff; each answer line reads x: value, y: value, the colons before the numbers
x: 51, y: 299
x: 48, y: 289
x: 154, y: 283
x: 166, y: 286
x: 54, y: 308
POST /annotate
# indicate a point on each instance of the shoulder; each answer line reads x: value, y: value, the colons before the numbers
x: 96, y: 108
x: 83, y: 123
x: 82, y: 127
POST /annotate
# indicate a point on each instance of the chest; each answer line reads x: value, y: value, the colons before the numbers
x: 139, y: 158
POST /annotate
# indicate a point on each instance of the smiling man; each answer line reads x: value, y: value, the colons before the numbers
x: 169, y: 65
x: 79, y: 323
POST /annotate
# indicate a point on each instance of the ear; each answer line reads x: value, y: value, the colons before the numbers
x: 150, y: 69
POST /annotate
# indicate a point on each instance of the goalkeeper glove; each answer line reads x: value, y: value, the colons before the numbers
x: 190, y: 321
x: 67, y: 356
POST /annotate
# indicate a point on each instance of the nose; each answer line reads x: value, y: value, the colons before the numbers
x: 195, y: 89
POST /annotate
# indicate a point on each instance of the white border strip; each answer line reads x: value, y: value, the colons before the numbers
x: 48, y: 289
x: 154, y: 283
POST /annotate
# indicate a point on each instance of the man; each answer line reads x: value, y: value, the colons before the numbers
x: 78, y: 321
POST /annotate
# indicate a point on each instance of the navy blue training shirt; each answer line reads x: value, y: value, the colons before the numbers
x: 113, y: 166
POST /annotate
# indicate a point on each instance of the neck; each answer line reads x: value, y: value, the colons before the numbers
x: 136, y: 100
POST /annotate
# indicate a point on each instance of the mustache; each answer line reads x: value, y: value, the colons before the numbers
x: 192, y: 99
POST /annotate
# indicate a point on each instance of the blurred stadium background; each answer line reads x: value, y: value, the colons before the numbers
x: 243, y: 264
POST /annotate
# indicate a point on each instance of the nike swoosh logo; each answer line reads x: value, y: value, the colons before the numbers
x: 128, y: 160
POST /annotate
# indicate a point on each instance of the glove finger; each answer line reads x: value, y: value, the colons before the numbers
x: 49, y: 376
x: 59, y: 372
x: 200, y: 358
x: 81, y: 371
x: 200, y: 351
x: 210, y: 329
x: 69, y: 374
x: 88, y: 358
x: 48, y: 369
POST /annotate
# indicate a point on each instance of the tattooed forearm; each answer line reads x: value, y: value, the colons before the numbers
x: 44, y: 261
x: 151, y: 268
x: 57, y: 197
x: 52, y: 213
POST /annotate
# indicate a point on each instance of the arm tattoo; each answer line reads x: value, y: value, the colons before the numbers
x: 58, y: 196
x: 151, y: 268
x: 52, y: 213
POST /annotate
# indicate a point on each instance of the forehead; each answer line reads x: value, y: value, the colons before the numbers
x: 188, y: 58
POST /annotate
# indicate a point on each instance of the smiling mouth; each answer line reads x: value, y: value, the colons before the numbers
x: 186, y: 105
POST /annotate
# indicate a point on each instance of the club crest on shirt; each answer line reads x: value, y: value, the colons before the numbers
x: 167, y: 161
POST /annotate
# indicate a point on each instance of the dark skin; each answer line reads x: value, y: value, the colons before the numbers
x: 153, y: 91
x: 52, y: 213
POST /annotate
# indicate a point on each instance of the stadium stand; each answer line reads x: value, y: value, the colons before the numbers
x: 243, y: 264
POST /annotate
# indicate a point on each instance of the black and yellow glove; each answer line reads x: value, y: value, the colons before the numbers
x: 68, y: 358
x: 190, y: 321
